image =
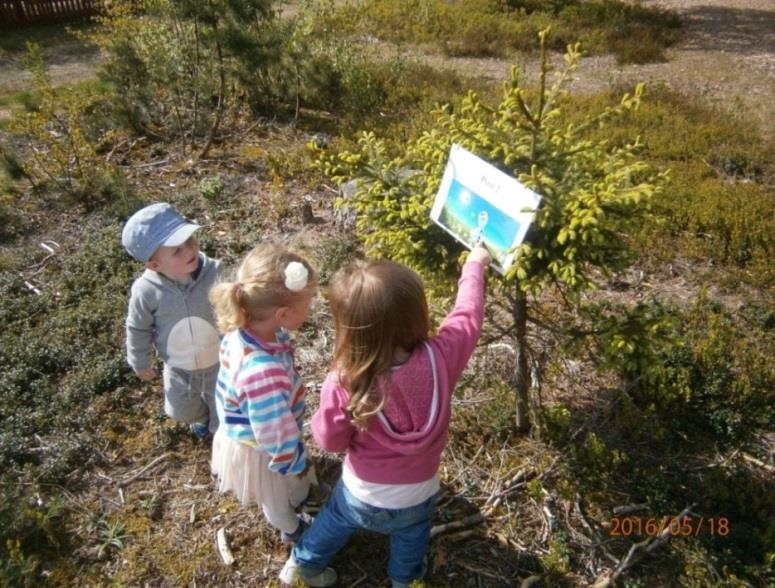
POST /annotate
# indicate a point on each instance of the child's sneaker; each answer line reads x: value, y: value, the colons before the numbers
x: 200, y: 430
x: 317, y: 495
x: 292, y: 572
x: 290, y: 538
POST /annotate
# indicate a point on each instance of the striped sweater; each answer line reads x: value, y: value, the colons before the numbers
x: 260, y: 398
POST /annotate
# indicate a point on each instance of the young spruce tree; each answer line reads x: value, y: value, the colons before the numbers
x: 591, y: 192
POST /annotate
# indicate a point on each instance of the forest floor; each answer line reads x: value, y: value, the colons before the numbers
x: 158, y: 481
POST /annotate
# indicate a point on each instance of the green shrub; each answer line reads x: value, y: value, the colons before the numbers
x: 326, y: 70
x: 717, y: 203
x: 10, y: 219
x: 632, y: 32
x: 726, y: 223
x: 59, y: 351
x: 179, y: 66
x: 592, y: 194
x: 47, y: 387
x: 720, y: 380
x: 61, y: 143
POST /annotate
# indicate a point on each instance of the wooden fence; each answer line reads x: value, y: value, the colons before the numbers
x: 19, y: 13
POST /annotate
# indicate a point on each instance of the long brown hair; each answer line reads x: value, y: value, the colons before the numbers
x: 258, y: 288
x: 378, y: 308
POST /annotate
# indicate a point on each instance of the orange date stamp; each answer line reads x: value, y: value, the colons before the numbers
x: 628, y: 526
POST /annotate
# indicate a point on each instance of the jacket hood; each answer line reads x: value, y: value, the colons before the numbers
x: 430, y: 431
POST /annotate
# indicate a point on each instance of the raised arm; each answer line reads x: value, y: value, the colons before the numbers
x: 460, y: 330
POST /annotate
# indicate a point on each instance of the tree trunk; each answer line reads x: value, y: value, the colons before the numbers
x: 522, y: 374
x: 220, y: 105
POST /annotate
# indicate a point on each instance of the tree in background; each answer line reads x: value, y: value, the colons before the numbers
x: 592, y: 193
x: 59, y: 142
x: 177, y: 66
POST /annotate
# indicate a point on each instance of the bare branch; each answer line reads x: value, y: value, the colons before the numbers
x: 639, y: 551
x: 454, y: 525
x: 223, y: 546
x: 142, y: 471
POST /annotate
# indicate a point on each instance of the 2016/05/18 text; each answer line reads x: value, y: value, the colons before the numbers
x: 684, y: 527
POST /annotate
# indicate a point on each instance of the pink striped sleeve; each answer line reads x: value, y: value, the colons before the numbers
x: 264, y: 396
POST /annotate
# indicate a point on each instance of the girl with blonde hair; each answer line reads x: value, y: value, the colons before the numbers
x: 258, y: 451
x: 386, y: 404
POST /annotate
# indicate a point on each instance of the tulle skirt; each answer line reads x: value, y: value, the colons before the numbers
x: 245, y: 471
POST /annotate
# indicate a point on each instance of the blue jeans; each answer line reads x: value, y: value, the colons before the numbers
x: 409, y: 529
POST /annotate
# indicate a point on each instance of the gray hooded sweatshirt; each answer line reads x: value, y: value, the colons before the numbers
x: 174, y: 317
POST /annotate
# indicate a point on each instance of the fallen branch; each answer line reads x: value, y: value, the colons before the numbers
x: 223, y: 546
x: 454, y: 525
x: 149, y: 164
x: 550, y: 522
x: 596, y: 536
x: 31, y: 287
x: 142, y: 471
x: 757, y: 462
x: 460, y: 535
x: 364, y: 575
x: 197, y: 486
x: 478, y: 570
x: 639, y: 551
x: 519, y: 480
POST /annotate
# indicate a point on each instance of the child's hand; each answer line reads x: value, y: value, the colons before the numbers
x: 480, y: 254
x: 147, y: 375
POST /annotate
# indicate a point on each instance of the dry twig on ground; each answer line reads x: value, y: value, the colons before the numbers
x: 639, y: 551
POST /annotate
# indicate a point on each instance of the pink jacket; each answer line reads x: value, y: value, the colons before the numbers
x: 404, y: 442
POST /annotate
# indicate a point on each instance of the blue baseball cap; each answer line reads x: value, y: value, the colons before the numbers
x: 155, y: 226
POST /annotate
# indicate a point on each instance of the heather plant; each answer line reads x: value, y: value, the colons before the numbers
x: 719, y: 381
x: 72, y: 309
x: 31, y: 529
x: 498, y: 28
x: 592, y: 193
x: 717, y: 205
x: 79, y: 301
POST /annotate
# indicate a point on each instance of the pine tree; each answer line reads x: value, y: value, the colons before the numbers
x: 179, y: 65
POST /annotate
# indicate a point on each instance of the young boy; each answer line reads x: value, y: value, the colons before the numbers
x: 169, y: 310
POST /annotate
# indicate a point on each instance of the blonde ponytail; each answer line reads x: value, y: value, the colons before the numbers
x: 260, y: 286
x: 228, y: 305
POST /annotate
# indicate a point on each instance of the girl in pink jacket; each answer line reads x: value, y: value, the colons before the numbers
x: 386, y: 404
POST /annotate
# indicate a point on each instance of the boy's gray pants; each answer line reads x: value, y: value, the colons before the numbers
x: 189, y: 396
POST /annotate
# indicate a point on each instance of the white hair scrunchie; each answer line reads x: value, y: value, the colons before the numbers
x: 296, y: 276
